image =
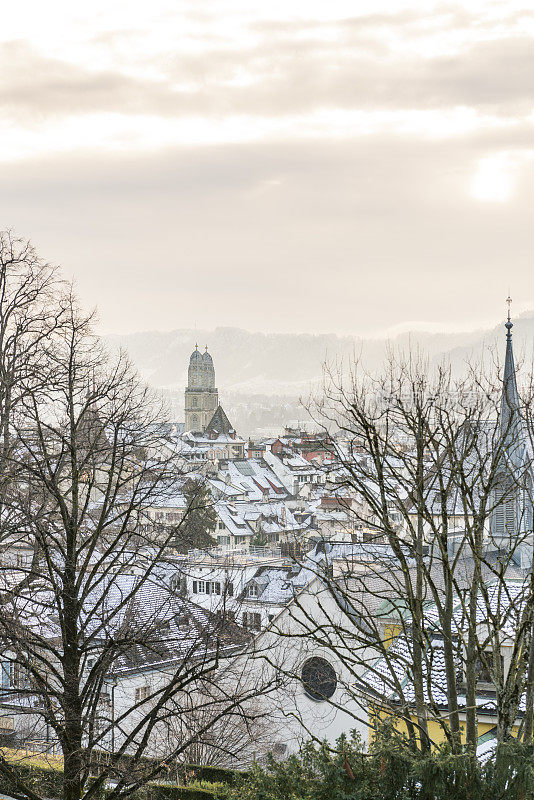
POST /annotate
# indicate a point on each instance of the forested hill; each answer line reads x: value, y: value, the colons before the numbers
x: 272, y: 363
x: 286, y: 366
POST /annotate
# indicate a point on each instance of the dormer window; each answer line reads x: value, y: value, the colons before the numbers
x: 253, y: 590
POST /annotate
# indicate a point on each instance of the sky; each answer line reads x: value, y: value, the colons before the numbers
x: 361, y: 166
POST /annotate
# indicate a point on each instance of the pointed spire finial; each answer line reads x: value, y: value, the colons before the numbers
x: 196, y: 346
x: 509, y: 324
x: 206, y: 348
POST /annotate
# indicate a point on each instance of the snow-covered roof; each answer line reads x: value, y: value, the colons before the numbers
x: 167, y: 625
x: 254, y: 477
x: 240, y: 518
x: 381, y: 678
x: 278, y: 585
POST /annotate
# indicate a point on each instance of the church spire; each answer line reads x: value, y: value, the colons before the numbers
x: 510, y: 395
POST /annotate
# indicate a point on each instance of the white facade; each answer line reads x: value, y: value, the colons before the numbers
x: 217, y: 581
x: 282, y: 648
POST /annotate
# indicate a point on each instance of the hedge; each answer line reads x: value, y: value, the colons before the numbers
x: 188, y: 793
x: 48, y: 782
x: 213, y: 774
x: 161, y: 791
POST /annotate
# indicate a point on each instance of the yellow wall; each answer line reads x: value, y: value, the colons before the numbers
x: 391, y: 631
x: 435, y: 729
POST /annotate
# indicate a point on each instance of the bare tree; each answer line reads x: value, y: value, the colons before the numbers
x: 217, y: 734
x: 89, y: 453
x: 32, y: 308
x: 418, y: 619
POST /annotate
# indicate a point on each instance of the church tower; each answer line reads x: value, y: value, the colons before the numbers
x: 512, y: 515
x: 201, y: 396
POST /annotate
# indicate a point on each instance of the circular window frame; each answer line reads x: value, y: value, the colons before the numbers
x: 327, y: 688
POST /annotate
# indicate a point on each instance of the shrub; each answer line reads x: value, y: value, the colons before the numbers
x: 391, y: 770
x: 212, y: 774
x: 44, y: 780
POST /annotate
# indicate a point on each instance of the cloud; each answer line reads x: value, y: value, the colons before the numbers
x: 278, y: 75
x: 334, y: 206
x: 302, y: 236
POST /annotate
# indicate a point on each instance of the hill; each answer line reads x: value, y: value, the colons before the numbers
x: 262, y: 375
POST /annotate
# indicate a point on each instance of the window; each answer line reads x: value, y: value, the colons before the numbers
x: 318, y: 679
x: 141, y: 693
x: 14, y: 676
x: 206, y: 587
x: 484, y: 667
x: 252, y: 620
x: 229, y: 588
x: 6, y: 674
x: 252, y: 590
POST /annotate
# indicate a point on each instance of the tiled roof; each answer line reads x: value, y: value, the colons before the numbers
x: 219, y: 423
x: 381, y: 677
x: 167, y: 626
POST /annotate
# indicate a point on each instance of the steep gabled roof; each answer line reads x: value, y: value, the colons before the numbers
x: 219, y: 423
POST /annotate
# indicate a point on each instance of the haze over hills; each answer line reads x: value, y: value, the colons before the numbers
x: 261, y: 376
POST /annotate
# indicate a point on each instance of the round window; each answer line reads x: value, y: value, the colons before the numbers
x: 318, y: 678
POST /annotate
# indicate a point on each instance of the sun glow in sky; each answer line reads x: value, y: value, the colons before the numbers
x: 342, y: 166
x: 494, y: 180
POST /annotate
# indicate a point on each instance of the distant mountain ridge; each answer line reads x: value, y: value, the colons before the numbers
x: 274, y: 363
x: 261, y: 376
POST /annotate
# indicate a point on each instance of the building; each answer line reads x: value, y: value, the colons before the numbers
x: 389, y: 682
x: 201, y: 395
x: 218, y: 580
x: 247, y: 524
x: 511, y: 521
x: 163, y: 645
x: 252, y: 478
x: 293, y: 470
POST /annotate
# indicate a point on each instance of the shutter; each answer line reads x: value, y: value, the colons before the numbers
x: 218, y: 588
x: 244, y: 619
x: 194, y: 587
x: 230, y: 587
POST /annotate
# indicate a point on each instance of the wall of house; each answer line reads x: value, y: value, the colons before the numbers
x: 282, y: 649
x: 435, y: 728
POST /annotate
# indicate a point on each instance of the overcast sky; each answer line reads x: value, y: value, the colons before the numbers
x: 296, y: 165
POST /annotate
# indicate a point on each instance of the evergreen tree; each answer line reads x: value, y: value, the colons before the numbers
x: 390, y: 769
x: 199, y: 521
